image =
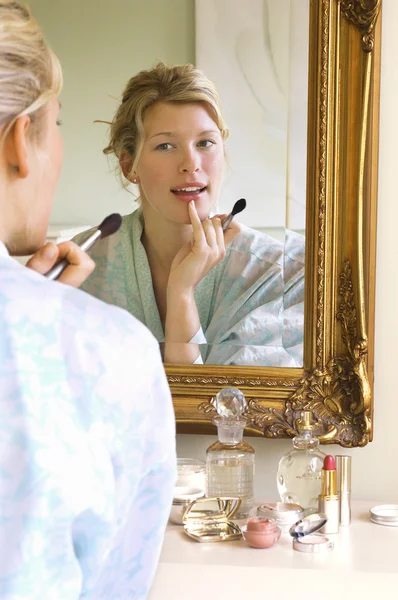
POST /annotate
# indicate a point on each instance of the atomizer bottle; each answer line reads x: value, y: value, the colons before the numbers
x: 230, y: 460
x: 299, y: 471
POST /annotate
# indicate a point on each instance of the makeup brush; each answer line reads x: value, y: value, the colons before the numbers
x: 108, y: 226
x: 238, y: 207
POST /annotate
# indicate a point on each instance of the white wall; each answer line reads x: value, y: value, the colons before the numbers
x: 375, y: 470
x: 101, y: 44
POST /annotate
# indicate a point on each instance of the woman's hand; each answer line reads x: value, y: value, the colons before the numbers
x: 193, y: 261
x: 80, y: 264
x: 207, y: 248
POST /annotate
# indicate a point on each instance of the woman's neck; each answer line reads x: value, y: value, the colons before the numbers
x: 162, y: 239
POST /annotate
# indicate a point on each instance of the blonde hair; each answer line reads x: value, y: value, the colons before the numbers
x: 162, y: 83
x: 30, y: 73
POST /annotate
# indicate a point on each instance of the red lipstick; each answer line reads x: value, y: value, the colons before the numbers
x: 329, y: 499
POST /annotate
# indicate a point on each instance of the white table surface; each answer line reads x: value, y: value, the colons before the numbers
x: 363, y: 564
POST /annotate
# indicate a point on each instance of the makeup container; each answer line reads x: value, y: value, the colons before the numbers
x: 329, y: 499
x: 343, y: 467
x: 191, y: 473
x: 305, y: 536
x: 210, y: 520
x: 261, y: 533
x: 230, y: 460
x: 183, y: 497
x: 284, y: 514
x: 385, y: 514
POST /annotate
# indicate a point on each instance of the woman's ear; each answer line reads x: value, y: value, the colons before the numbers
x: 126, y: 164
x: 16, y: 146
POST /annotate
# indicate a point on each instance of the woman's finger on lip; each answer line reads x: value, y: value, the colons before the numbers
x: 195, y: 220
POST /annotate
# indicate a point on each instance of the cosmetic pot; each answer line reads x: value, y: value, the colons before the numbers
x: 385, y: 514
x: 183, y: 497
x: 261, y: 533
x: 210, y: 519
x: 284, y: 514
x: 305, y: 536
x: 191, y: 473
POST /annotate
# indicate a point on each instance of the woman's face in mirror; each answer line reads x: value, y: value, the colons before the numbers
x: 182, y: 159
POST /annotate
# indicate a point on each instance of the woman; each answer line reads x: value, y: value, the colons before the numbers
x: 87, y: 444
x: 170, y: 264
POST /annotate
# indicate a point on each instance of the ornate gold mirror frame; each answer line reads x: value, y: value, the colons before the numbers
x: 336, y: 382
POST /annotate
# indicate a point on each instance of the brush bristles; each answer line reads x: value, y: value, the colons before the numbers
x: 110, y: 224
x: 239, y: 206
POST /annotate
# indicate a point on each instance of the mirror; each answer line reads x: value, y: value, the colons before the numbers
x: 251, y: 303
x: 336, y: 382
x: 99, y: 54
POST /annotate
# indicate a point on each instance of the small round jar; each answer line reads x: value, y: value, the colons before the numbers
x: 183, y: 496
x: 191, y: 473
x: 261, y: 533
x: 284, y: 514
x: 385, y: 514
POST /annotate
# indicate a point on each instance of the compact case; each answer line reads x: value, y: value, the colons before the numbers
x: 305, y: 538
x: 209, y: 520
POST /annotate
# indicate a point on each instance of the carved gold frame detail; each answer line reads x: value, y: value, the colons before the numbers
x: 336, y: 382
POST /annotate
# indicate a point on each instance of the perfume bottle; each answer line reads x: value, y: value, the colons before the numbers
x: 299, y: 471
x: 230, y: 460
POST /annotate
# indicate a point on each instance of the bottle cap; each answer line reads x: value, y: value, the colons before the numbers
x: 230, y: 403
x: 305, y: 421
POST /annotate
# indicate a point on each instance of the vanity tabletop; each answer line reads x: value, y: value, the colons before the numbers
x: 363, y: 564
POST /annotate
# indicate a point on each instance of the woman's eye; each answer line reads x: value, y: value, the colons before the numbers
x: 164, y: 146
x: 206, y: 143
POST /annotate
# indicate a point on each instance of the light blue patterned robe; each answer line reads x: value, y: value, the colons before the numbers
x: 250, y: 312
x: 87, y: 444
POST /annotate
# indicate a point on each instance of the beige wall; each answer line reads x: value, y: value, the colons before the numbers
x: 375, y: 469
x: 101, y: 44
x: 93, y: 73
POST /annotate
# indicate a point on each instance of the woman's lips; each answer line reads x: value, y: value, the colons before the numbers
x: 189, y: 192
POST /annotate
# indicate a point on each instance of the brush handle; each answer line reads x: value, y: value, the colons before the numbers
x: 57, y: 269
x: 227, y: 221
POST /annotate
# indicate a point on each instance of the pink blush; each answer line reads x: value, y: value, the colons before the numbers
x: 260, y: 524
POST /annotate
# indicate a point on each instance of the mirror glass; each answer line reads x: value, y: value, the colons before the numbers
x: 251, y: 304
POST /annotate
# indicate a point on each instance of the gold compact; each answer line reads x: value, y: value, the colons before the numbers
x: 209, y: 519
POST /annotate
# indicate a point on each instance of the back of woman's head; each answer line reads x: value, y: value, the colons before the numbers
x: 162, y: 83
x: 30, y: 73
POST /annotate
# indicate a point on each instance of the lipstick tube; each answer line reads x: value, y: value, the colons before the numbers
x: 343, y: 465
x: 329, y: 500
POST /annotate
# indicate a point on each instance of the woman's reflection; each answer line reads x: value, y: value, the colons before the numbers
x: 207, y: 296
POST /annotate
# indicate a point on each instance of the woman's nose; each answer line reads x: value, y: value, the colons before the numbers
x: 190, y: 162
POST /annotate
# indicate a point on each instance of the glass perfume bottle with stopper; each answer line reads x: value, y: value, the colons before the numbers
x: 299, y: 471
x: 230, y: 460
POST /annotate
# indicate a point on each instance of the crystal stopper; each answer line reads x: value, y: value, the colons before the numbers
x: 230, y: 403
